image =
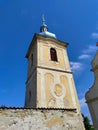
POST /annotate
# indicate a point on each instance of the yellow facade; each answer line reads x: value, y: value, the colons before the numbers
x: 50, y: 82
x: 44, y: 58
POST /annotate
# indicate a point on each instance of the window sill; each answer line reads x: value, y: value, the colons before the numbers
x: 56, y: 62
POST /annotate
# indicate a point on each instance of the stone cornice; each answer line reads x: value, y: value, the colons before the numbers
x: 47, y: 69
x: 54, y: 69
x: 45, y: 38
x: 52, y: 39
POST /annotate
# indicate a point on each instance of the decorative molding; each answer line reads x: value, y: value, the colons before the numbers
x: 71, y: 85
x: 54, y: 69
x: 43, y: 94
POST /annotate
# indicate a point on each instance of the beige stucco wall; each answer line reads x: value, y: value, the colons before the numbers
x: 55, y: 89
x: 92, y: 94
x: 93, y: 105
x: 30, y: 119
x: 44, y: 58
x: 31, y: 67
x: 51, y: 74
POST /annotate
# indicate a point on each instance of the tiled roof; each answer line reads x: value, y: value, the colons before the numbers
x: 65, y: 109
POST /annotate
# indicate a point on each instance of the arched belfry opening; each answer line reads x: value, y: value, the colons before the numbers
x: 53, y: 54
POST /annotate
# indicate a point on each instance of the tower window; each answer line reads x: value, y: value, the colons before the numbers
x: 53, y: 54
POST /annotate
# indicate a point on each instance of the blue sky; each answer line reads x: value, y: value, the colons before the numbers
x: 73, y: 21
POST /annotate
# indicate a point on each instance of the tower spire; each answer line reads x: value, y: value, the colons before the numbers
x: 44, y: 27
x: 43, y: 19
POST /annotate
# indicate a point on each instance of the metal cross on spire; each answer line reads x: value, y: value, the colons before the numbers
x: 43, y: 19
x: 44, y: 27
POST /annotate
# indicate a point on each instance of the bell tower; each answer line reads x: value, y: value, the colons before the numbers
x: 50, y: 82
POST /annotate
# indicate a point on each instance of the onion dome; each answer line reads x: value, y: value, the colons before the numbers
x: 44, y: 29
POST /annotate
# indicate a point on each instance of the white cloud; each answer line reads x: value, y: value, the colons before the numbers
x: 84, y: 56
x: 94, y: 35
x: 90, y: 49
x: 82, y: 102
x: 76, y: 66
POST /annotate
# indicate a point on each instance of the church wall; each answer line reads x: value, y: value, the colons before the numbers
x: 39, y: 119
x: 92, y: 94
x: 93, y: 107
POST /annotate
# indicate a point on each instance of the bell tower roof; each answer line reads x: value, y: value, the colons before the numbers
x: 44, y: 29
